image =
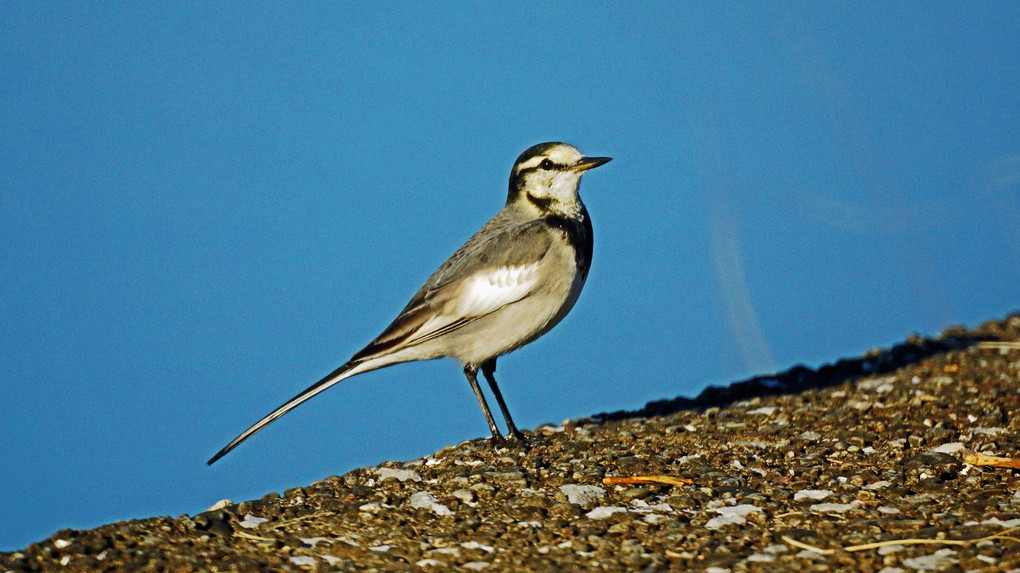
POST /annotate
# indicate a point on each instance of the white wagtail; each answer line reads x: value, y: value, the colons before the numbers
x: 515, y: 279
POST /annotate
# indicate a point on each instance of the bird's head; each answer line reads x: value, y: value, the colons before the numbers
x: 547, y: 176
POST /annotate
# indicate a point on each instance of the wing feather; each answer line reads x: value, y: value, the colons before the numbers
x: 499, y: 265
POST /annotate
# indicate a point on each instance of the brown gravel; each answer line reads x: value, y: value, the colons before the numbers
x: 791, y: 472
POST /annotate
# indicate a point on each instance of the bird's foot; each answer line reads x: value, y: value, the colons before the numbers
x: 521, y: 440
x: 515, y: 440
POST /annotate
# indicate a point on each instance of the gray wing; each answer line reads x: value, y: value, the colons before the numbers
x: 497, y: 266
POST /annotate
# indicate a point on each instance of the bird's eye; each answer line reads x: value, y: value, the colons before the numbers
x: 547, y: 164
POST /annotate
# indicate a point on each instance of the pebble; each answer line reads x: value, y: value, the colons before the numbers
x: 931, y: 562
x: 812, y: 494
x: 251, y: 521
x: 735, y: 515
x: 831, y: 507
x: 425, y: 500
x: 399, y: 475
x: 603, y: 512
x: 582, y: 494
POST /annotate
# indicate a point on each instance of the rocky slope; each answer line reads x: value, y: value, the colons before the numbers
x: 901, y: 460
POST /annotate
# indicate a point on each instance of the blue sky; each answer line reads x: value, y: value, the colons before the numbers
x: 204, y: 208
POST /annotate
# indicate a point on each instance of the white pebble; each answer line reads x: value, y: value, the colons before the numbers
x: 931, y: 562
x: 424, y: 499
x: 476, y: 545
x: 731, y: 516
x: 1008, y: 524
x: 251, y: 521
x: 890, y: 549
x: 812, y: 494
x: 400, y: 475
x: 831, y: 507
x: 603, y: 512
x: 582, y: 494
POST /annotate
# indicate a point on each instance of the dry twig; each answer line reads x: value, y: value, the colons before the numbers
x: 999, y: 344
x: 976, y: 459
x: 630, y: 480
x: 253, y: 537
x: 1005, y: 534
x: 300, y: 519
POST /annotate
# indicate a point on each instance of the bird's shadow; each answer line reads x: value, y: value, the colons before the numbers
x: 801, y: 378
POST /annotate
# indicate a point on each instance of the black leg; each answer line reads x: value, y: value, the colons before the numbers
x: 472, y: 376
x: 489, y: 370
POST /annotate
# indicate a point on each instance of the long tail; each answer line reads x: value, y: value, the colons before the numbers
x: 345, y: 371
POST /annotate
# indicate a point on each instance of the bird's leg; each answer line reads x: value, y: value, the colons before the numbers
x: 489, y: 370
x: 472, y: 375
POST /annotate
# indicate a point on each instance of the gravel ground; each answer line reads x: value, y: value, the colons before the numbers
x: 791, y: 472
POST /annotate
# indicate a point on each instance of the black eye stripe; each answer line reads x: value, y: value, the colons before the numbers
x: 546, y: 165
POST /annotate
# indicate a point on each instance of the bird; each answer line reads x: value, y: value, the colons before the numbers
x: 510, y: 283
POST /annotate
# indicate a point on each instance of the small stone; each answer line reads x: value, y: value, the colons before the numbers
x: 507, y: 479
x: 950, y: 448
x: 313, y: 541
x: 583, y: 495
x: 604, y: 512
x: 733, y: 515
x: 887, y: 549
x: 634, y: 493
x: 814, y: 494
x: 476, y: 545
x: 399, y: 475
x: 465, y: 495
x: 426, y: 500
x: 220, y: 505
x: 931, y: 562
x: 831, y: 507
x: 251, y: 521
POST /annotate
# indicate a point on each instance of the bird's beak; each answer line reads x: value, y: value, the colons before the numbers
x: 590, y: 163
